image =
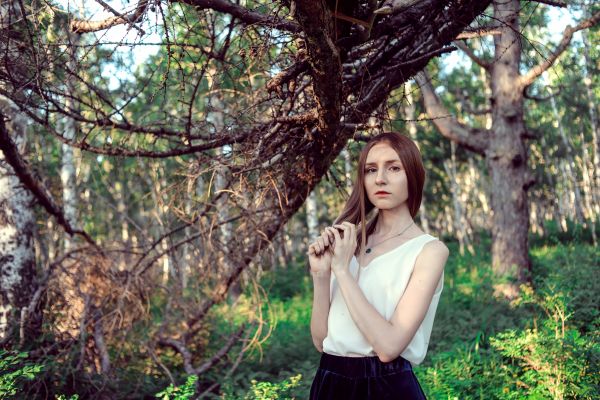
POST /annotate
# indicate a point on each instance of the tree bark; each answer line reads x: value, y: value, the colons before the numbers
x: 17, y: 225
x: 507, y: 154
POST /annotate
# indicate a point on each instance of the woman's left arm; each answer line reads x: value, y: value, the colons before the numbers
x: 390, y: 338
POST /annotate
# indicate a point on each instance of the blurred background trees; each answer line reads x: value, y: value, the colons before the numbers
x: 164, y: 166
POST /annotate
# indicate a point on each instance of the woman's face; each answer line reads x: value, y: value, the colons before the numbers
x: 384, y: 172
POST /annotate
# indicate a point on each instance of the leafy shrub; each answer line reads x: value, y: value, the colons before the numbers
x: 183, y: 392
x: 15, y: 370
x: 266, y: 390
x: 555, y: 360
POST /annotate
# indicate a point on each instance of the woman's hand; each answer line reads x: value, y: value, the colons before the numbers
x: 320, y: 253
x: 344, y: 247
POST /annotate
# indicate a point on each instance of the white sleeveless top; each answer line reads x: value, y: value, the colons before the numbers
x: 383, y: 282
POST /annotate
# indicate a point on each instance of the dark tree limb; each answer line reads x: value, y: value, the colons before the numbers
x: 551, y: 3
x: 324, y: 60
x: 21, y: 169
x: 245, y: 15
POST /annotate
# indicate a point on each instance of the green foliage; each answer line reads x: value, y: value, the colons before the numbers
x: 554, y: 234
x: 266, y: 390
x: 183, y: 392
x: 543, y: 345
x: 15, y: 371
x: 549, y: 350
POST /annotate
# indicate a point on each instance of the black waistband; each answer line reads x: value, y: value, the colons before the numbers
x: 362, y: 367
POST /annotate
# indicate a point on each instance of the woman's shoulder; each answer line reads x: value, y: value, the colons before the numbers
x: 435, y: 247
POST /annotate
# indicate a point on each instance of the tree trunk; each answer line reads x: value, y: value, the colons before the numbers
x: 17, y: 225
x: 592, y: 177
x: 507, y: 155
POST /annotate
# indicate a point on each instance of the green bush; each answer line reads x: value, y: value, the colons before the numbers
x: 15, y: 371
x: 265, y: 390
x: 183, y: 392
x: 555, y: 360
x: 543, y: 345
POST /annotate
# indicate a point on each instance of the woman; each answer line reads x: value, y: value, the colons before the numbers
x: 375, y: 294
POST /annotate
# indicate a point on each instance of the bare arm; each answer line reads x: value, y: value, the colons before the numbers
x: 319, y: 256
x: 320, y: 309
x: 390, y: 338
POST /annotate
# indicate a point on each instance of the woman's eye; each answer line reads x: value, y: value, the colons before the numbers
x: 395, y: 168
x: 369, y: 170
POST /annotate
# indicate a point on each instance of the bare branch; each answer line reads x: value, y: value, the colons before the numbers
x: 21, y: 169
x: 181, y: 348
x: 551, y: 3
x: 529, y: 77
x: 473, y: 139
x: 467, y: 50
x: 479, y: 32
x: 84, y: 26
x: 245, y: 15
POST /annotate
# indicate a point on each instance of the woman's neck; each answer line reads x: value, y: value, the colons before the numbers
x: 393, y: 221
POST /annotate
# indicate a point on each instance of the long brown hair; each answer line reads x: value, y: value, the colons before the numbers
x: 358, y: 206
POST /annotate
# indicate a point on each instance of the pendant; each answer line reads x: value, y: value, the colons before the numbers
x: 368, y: 250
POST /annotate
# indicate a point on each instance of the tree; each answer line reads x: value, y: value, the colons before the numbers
x: 295, y: 84
x: 503, y: 145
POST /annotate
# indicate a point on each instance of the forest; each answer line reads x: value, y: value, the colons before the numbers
x: 164, y: 166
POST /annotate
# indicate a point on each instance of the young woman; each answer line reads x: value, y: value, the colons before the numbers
x: 377, y: 281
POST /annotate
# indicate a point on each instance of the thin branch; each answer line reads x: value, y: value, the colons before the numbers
x: 116, y: 13
x: 467, y: 50
x: 84, y: 26
x: 529, y: 77
x: 245, y: 15
x: 479, y: 32
x: 551, y: 3
x: 182, y: 349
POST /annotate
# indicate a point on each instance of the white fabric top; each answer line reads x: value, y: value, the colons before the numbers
x: 383, y: 282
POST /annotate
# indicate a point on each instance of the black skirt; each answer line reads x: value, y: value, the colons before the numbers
x: 360, y: 378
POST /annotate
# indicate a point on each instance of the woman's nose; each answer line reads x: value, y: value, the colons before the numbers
x: 380, y: 178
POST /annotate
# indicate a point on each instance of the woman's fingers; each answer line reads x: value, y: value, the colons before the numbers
x: 329, y: 233
x: 321, y: 244
x: 326, y: 237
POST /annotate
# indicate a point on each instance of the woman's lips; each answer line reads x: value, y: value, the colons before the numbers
x: 381, y: 194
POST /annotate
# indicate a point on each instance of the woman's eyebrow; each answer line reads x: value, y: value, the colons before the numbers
x: 387, y: 162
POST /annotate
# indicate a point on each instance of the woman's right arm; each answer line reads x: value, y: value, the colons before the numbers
x: 320, y: 308
x: 319, y: 257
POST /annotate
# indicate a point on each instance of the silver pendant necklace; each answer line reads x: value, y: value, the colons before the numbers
x: 377, y: 244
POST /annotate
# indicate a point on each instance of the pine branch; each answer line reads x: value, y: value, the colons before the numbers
x: 529, y: 77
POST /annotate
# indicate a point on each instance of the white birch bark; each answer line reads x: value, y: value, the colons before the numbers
x: 312, y: 220
x: 570, y: 175
x: 409, y: 113
x: 460, y: 220
x: 17, y: 225
x: 347, y: 169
